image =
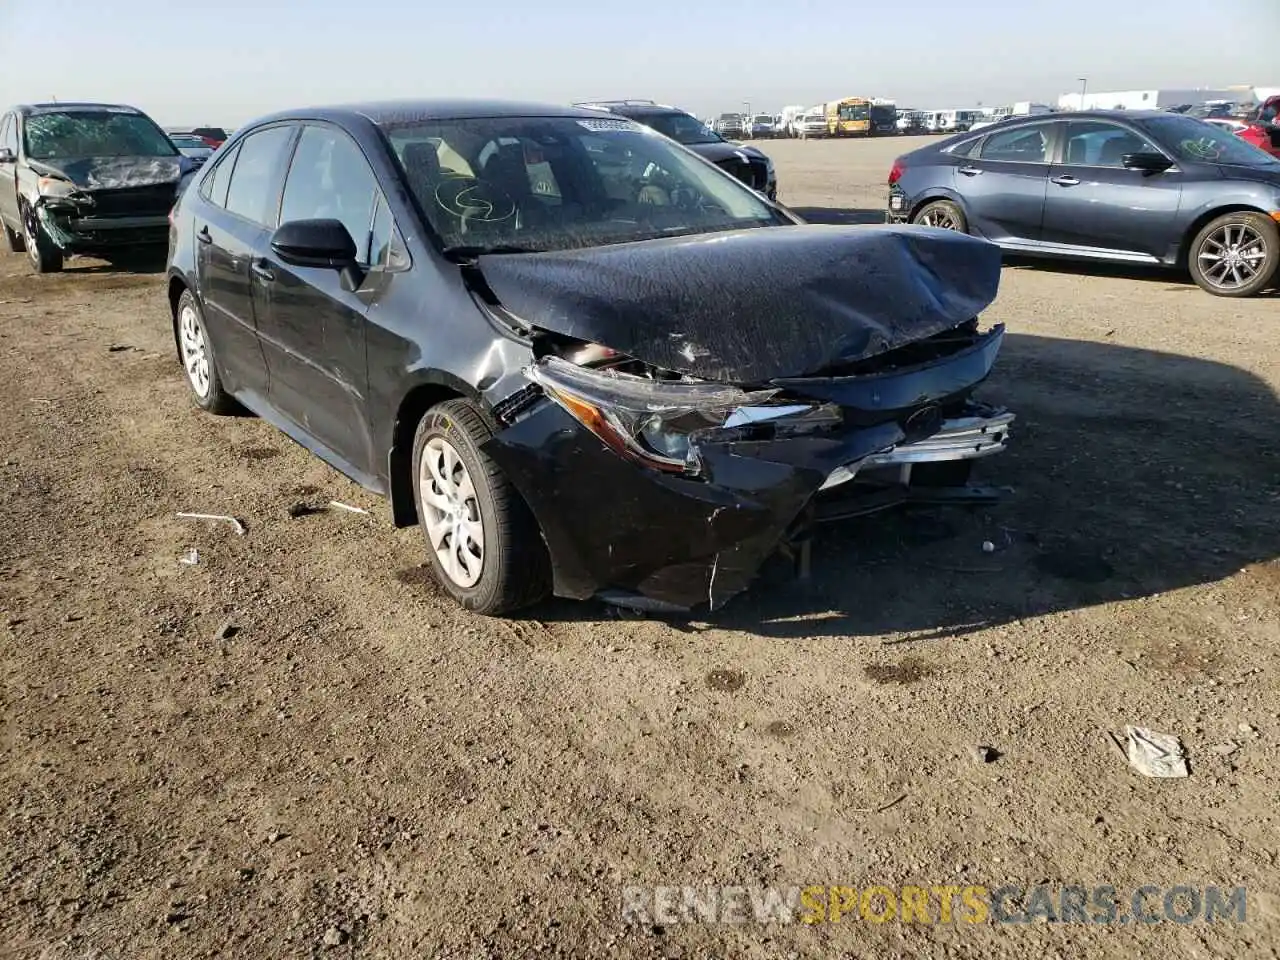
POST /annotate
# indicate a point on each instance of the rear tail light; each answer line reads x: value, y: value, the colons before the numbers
x: 895, y: 172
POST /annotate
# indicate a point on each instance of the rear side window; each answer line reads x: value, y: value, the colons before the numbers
x: 1021, y: 145
x: 256, y: 177
x: 330, y: 179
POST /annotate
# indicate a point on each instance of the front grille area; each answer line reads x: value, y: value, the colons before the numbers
x: 152, y: 201
x: 753, y: 173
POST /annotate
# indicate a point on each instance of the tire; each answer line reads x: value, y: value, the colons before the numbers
x: 195, y: 353
x: 1222, y: 254
x: 44, y: 256
x: 943, y: 214
x: 13, y: 240
x: 509, y: 569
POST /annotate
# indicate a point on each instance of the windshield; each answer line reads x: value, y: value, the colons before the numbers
x: 682, y: 128
x: 883, y: 113
x: 51, y: 136
x: 853, y: 111
x: 1195, y: 140
x: 528, y: 184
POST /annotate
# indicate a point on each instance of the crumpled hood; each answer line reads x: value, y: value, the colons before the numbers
x: 752, y: 305
x: 113, y: 173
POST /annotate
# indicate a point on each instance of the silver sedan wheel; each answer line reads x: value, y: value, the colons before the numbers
x: 940, y: 218
x: 452, y: 512
x: 1232, y: 256
x: 195, y: 351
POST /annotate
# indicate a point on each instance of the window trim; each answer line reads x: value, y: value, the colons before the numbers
x: 292, y: 126
x: 1060, y: 150
x: 1053, y: 129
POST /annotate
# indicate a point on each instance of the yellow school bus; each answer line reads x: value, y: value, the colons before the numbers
x: 850, y: 117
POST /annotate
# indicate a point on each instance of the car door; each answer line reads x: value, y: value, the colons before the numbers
x: 9, y: 173
x: 312, y: 323
x: 240, y: 192
x: 1094, y: 203
x: 1003, y: 182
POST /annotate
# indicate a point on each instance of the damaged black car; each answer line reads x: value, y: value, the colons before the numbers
x: 86, y: 178
x: 585, y: 361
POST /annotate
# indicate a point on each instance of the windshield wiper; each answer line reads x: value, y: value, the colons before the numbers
x: 463, y: 251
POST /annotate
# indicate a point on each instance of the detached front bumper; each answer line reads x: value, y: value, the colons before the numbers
x: 671, y: 542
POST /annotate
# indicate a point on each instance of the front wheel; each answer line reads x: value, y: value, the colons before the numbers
x: 1236, y: 255
x: 484, y: 544
x: 942, y: 214
x: 44, y: 256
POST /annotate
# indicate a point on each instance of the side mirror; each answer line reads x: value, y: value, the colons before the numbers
x: 314, y: 243
x: 6, y: 156
x: 1147, y: 162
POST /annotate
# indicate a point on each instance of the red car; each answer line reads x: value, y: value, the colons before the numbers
x: 1263, y: 127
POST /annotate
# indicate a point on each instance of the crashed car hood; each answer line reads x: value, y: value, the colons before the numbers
x: 108, y: 173
x: 753, y: 305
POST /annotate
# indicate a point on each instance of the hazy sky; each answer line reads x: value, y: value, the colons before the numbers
x: 226, y: 61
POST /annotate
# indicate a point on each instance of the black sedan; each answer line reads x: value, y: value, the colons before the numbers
x: 576, y: 378
x: 1137, y: 187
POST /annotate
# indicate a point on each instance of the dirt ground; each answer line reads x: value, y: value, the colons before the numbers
x: 297, y: 747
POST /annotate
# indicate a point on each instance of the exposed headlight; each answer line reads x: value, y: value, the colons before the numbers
x: 55, y: 187
x: 652, y: 421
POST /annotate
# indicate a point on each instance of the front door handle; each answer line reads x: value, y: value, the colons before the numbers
x: 262, y: 272
x: 1066, y: 181
x: 204, y: 236
x: 969, y: 171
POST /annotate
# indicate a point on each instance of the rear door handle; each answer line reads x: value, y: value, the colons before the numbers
x: 969, y: 171
x: 1065, y: 181
x: 203, y: 235
x: 262, y: 271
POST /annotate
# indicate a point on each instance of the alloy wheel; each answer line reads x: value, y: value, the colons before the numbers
x: 454, y: 525
x: 195, y: 353
x: 940, y: 218
x: 1232, y: 256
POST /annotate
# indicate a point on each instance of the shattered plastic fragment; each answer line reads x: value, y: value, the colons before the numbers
x: 190, y: 558
x: 215, y: 516
x: 1155, y: 754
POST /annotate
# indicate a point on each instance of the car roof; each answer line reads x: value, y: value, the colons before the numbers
x: 630, y: 108
x: 396, y: 112
x: 35, y: 109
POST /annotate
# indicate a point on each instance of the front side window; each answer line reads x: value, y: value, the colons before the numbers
x: 1200, y: 142
x: 330, y: 179
x: 256, y: 175
x: 1095, y: 144
x: 556, y: 183
x: 94, y: 133
x: 1022, y: 145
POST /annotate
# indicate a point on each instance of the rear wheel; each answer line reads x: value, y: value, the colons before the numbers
x: 196, y: 353
x: 44, y: 256
x: 485, y: 547
x: 1236, y: 255
x: 942, y: 214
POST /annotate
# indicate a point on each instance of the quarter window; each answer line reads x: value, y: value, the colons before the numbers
x: 214, y: 185
x: 330, y: 179
x: 1022, y: 145
x: 256, y: 177
x: 1095, y: 144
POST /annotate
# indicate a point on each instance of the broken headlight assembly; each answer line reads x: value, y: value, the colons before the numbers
x: 652, y: 421
x: 56, y: 188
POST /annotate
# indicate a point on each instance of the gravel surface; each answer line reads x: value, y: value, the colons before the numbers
x: 297, y: 747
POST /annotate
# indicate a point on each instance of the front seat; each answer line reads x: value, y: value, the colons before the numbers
x: 422, y: 166
x: 1113, y: 151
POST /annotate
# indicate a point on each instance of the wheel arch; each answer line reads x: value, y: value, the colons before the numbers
x: 1200, y: 222
x: 932, y: 197
x: 432, y: 387
x: 177, y: 286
